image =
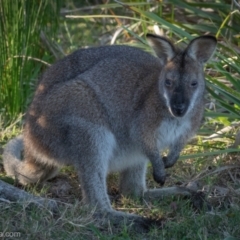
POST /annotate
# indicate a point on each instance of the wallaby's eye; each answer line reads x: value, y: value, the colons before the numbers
x: 194, y: 83
x: 168, y: 83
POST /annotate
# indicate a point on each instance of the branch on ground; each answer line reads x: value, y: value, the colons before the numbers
x: 13, y: 194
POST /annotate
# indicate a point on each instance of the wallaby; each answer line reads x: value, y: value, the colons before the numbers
x: 113, y: 109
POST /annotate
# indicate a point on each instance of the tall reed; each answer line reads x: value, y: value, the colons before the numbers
x: 22, y: 53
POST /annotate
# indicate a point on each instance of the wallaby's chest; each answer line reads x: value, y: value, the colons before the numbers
x: 172, y: 131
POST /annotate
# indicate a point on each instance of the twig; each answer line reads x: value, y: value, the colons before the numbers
x: 220, y: 169
x: 32, y: 58
x: 236, y: 3
x: 13, y: 194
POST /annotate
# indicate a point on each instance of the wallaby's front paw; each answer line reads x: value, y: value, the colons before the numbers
x: 159, y: 177
x: 167, y: 164
x: 165, y: 160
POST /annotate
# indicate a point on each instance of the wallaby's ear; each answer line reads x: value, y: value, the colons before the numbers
x: 202, y: 48
x: 164, y: 49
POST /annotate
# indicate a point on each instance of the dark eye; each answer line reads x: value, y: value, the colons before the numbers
x: 168, y: 83
x: 194, y: 83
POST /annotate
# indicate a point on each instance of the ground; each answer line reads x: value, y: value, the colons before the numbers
x: 212, y: 214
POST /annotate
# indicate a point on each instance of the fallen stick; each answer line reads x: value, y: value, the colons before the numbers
x: 13, y: 194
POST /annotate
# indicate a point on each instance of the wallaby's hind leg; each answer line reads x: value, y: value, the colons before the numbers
x: 132, y: 180
x: 93, y: 183
x: 91, y: 159
x: 92, y: 166
x: 94, y: 191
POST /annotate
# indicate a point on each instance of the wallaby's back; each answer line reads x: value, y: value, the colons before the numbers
x: 85, y: 59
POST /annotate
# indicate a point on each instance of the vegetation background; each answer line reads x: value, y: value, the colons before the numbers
x: 36, y: 33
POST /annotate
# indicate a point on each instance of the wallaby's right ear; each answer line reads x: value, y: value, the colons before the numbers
x: 202, y: 48
x: 164, y: 49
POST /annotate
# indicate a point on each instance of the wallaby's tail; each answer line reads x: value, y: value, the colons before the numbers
x: 28, y: 170
x: 12, y: 155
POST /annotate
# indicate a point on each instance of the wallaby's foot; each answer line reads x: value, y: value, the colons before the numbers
x: 133, y: 222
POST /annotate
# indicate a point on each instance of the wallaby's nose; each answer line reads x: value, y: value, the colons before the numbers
x: 179, y: 109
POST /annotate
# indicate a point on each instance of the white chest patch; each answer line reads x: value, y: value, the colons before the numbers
x: 171, y: 130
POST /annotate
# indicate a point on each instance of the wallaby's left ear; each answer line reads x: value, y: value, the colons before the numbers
x: 202, y: 48
x: 163, y: 48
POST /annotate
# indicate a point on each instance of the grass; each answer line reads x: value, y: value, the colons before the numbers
x: 209, y: 159
x: 22, y: 52
x: 180, y: 219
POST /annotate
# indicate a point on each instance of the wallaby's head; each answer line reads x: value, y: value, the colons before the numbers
x: 181, y: 81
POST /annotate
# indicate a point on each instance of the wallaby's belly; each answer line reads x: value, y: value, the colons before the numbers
x: 123, y: 159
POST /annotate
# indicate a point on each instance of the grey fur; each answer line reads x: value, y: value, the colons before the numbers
x: 111, y: 109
